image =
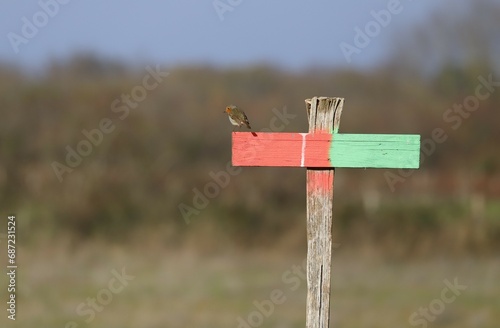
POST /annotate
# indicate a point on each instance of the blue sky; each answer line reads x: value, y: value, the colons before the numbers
x: 291, y: 34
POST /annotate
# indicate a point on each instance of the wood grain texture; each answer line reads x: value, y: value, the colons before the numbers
x: 281, y: 149
x: 322, y: 118
x: 375, y: 151
x: 326, y: 150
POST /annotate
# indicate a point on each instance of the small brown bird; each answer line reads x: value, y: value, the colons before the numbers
x: 237, y: 116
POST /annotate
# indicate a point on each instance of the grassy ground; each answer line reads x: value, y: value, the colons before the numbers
x: 181, y: 289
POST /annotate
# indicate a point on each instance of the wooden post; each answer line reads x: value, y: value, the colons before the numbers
x: 321, y: 151
x: 324, y: 117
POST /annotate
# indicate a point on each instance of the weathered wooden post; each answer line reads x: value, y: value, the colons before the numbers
x: 321, y: 151
x: 324, y: 117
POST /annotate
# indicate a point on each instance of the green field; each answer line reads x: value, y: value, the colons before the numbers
x: 184, y: 289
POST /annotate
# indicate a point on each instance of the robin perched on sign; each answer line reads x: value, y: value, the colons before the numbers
x: 237, y: 116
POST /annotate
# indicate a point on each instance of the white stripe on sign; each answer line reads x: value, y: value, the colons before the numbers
x: 303, y: 153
